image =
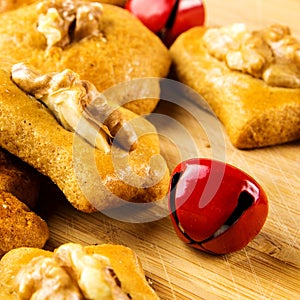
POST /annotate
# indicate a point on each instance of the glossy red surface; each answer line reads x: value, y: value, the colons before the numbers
x: 168, y: 18
x: 153, y: 13
x: 189, y: 14
x: 214, y: 206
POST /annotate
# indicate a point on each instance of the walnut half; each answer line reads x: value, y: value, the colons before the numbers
x: 271, y: 54
x: 73, y: 101
x: 70, y: 274
x: 64, y: 22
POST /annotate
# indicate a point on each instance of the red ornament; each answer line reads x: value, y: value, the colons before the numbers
x: 168, y: 18
x: 215, y: 207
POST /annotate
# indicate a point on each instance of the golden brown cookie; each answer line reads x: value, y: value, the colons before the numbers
x: 6, y: 5
x: 107, y: 270
x: 19, y: 226
x: 19, y: 179
x: 91, y: 178
x: 250, y: 97
x: 110, y: 48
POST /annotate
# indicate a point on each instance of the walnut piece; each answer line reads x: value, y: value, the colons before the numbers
x: 70, y: 274
x: 76, y: 102
x: 43, y: 278
x: 64, y: 22
x: 271, y: 54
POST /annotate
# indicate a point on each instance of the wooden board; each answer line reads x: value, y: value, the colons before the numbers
x: 269, y: 267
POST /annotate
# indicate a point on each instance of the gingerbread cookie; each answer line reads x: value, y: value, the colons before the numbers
x: 90, y: 272
x: 46, y: 120
x: 19, y: 227
x: 251, y: 79
x: 103, y: 43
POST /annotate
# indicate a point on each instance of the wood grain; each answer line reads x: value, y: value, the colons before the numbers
x: 269, y: 267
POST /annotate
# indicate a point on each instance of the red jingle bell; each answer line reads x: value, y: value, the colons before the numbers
x: 215, y: 207
x: 168, y: 18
